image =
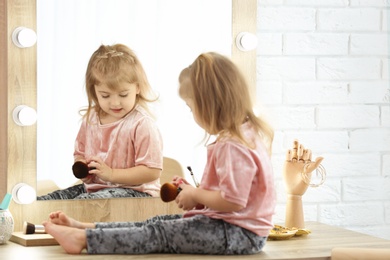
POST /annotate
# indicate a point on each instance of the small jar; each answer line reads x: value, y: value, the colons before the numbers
x: 6, y: 225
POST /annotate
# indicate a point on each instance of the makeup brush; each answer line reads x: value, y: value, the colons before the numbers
x: 29, y: 228
x: 168, y: 192
x: 81, y: 169
x: 6, y: 201
x: 193, y: 176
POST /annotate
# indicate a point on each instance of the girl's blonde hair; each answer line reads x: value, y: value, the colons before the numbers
x: 112, y: 65
x: 221, y: 98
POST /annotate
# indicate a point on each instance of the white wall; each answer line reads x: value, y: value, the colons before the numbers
x: 323, y: 78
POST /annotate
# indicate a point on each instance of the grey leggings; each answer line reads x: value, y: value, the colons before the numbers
x: 173, y: 234
x: 79, y: 192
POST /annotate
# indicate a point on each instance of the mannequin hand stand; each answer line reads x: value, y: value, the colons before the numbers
x: 297, y: 173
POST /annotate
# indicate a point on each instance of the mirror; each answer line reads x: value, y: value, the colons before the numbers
x: 18, y: 69
x: 166, y: 36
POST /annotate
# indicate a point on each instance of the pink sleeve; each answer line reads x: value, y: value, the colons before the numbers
x: 79, y: 147
x: 236, y: 170
x: 148, y: 145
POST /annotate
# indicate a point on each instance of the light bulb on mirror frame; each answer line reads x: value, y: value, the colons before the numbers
x: 24, y: 115
x: 24, y: 37
x: 246, y: 41
x: 23, y: 193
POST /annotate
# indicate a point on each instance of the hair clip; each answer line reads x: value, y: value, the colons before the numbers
x: 112, y: 53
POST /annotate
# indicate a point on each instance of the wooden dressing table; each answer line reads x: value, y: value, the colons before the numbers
x: 317, y: 245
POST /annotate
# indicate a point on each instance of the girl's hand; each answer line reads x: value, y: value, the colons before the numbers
x: 88, y: 179
x: 185, y: 198
x: 177, y: 180
x: 102, y: 170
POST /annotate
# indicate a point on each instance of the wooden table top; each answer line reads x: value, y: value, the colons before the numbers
x: 317, y: 245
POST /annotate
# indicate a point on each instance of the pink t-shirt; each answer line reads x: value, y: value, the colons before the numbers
x: 134, y: 140
x: 245, y: 177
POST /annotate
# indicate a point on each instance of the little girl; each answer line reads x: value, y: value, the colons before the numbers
x: 231, y: 211
x: 118, y: 139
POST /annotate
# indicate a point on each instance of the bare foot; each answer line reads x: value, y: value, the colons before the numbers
x: 60, y: 218
x: 73, y: 240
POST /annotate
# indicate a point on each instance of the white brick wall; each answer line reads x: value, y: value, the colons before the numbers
x: 323, y: 78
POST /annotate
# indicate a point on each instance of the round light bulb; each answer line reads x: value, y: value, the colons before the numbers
x: 24, y: 37
x: 246, y: 41
x: 24, y: 115
x: 23, y: 194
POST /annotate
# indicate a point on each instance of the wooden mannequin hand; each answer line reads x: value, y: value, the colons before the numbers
x: 298, y: 160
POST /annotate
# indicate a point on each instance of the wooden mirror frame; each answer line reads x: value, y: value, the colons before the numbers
x: 18, y: 86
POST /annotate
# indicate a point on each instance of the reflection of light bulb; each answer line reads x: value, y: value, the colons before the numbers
x: 24, y: 115
x: 246, y: 41
x: 23, y: 194
x: 24, y: 37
